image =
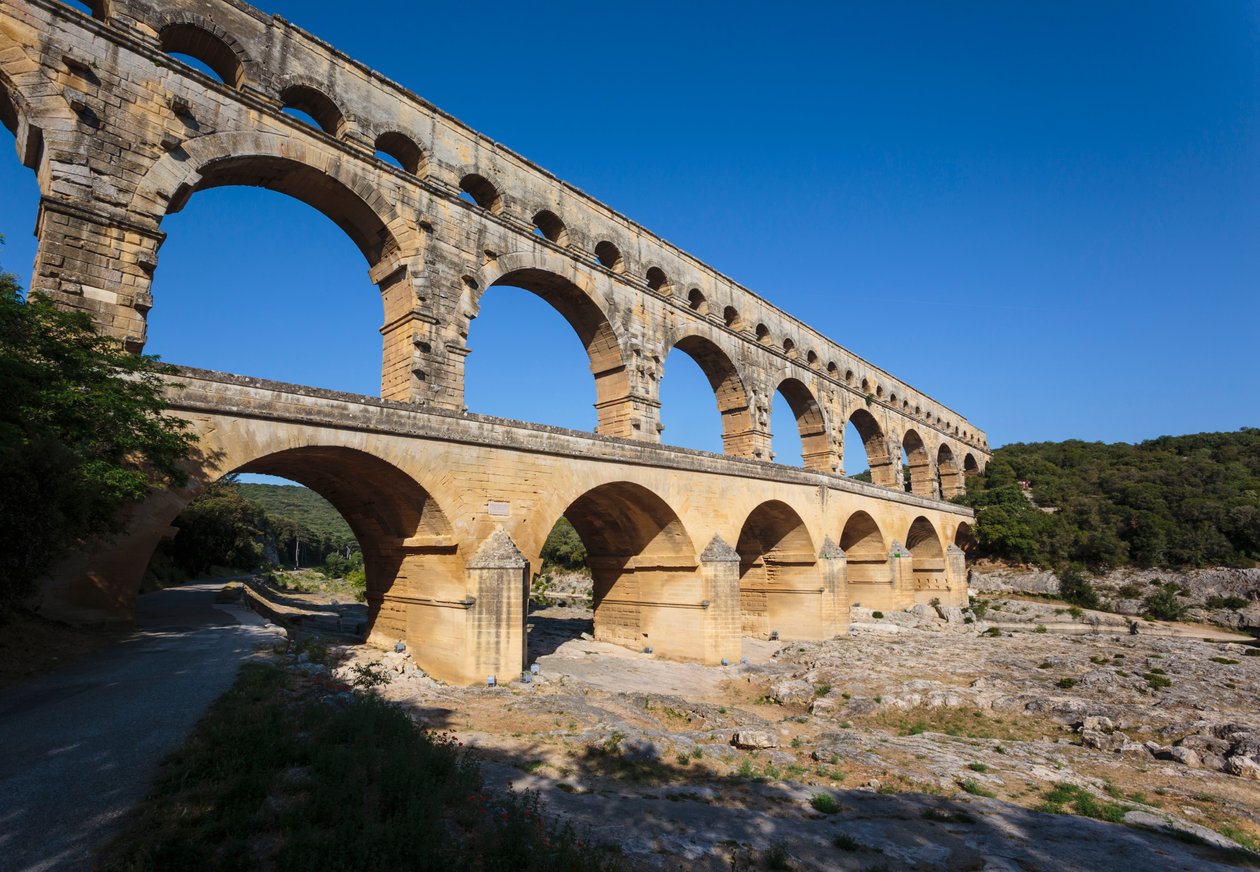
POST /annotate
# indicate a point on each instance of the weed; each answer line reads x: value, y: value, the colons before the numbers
x: 846, y: 695
x: 915, y: 729
x: 613, y: 743
x: 1066, y: 683
x: 796, y: 741
x: 1063, y: 796
x: 825, y: 803
x: 697, y: 753
x: 879, y: 699
x: 1045, y: 664
x: 822, y: 689
x: 1156, y: 679
x: 977, y: 767
x: 992, y: 632
x: 877, y: 615
x: 845, y: 842
x: 764, y: 699
x: 777, y: 856
x: 970, y: 786
x: 1225, y: 660
x: 1040, y: 628
x: 1076, y: 612
x: 1252, y: 652
x: 942, y: 816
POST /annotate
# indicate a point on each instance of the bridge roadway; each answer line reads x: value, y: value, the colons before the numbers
x: 689, y: 550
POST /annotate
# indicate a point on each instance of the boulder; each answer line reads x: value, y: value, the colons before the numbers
x: 792, y: 692
x: 1098, y: 724
x: 1185, y: 756
x: 1243, y: 767
x: 951, y: 614
x: 1134, y: 749
x: 754, y: 739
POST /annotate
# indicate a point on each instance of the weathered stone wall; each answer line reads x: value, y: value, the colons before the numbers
x: 121, y: 133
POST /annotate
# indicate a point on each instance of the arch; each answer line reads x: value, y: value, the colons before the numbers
x: 198, y: 42
x: 866, y: 552
x: 965, y: 538
x: 556, y: 280
x: 927, y: 561
x: 789, y: 348
x: 342, y: 204
x: 98, y: 9
x: 811, y: 358
x: 403, y: 149
x: 548, y: 223
x: 876, y: 447
x: 922, y: 481
x: 728, y: 390
x: 643, y: 565
x: 610, y: 256
x: 763, y: 334
x: 696, y: 302
x: 811, y: 424
x: 659, y: 282
x: 318, y: 105
x: 948, y: 474
x: 482, y: 191
x: 18, y: 119
x: 970, y: 467
x: 779, y: 585
x: 406, y: 539
x: 730, y: 316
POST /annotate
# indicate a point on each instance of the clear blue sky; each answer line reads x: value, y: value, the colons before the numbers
x: 1047, y: 216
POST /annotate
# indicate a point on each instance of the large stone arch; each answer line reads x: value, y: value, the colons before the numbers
x: 884, y: 471
x: 729, y: 391
x: 31, y: 106
x: 811, y: 424
x: 354, y: 200
x: 948, y: 474
x: 865, y: 547
x: 573, y: 294
x: 647, y: 593
x: 781, y: 586
x: 920, y: 462
x: 927, y: 561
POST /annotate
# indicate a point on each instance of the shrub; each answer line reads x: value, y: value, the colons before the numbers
x: 970, y: 786
x: 1226, y: 602
x: 1130, y: 591
x: 1077, y: 589
x: 993, y: 632
x: 1227, y: 661
x: 877, y: 615
x: 1066, y: 683
x: 1156, y: 679
x: 979, y: 608
x: 822, y: 689
x: 1162, y: 605
x: 1040, y: 628
x: 1045, y: 664
x: 825, y: 803
x: 977, y: 767
x: 845, y: 842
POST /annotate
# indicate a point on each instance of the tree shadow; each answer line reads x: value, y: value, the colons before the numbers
x: 548, y: 629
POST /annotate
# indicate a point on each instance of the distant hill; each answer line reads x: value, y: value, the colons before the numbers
x: 301, y: 505
x: 1175, y: 501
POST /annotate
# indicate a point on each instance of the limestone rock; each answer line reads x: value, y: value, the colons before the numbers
x: 1185, y: 756
x: 1243, y: 767
x: 792, y: 692
x: 754, y: 739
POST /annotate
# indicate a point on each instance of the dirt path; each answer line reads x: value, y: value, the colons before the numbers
x: 81, y: 745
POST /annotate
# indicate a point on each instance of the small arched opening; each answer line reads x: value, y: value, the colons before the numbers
x: 401, y: 151
x: 204, y: 51
x: 609, y: 256
x: 696, y: 302
x: 480, y: 191
x: 548, y: 225
x: 730, y: 317
x: 313, y: 107
x: 658, y: 282
x: 780, y: 589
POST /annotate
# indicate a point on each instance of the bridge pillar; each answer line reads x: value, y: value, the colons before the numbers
x: 951, y: 483
x: 92, y: 262
x: 833, y: 568
x: 956, y: 577
x: 719, y: 574
x: 498, y: 584
x: 922, y: 480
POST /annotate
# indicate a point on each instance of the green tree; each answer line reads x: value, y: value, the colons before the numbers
x: 81, y: 435
x: 564, y: 547
x: 1077, y: 589
x: 220, y: 527
x: 1163, y: 603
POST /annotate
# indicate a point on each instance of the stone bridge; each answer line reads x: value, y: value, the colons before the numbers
x: 125, y: 109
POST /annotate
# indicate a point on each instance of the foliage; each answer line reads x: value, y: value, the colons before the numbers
x: 1077, y: 589
x: 1162, y: 605
x: 564, y: 547
x: 277, y: 777
x: 219, y: 528
x: 302, y: 506
x: 1064, y: 796
x: 81, y: 435
x: 825, y: 803
x: 1175, y: 501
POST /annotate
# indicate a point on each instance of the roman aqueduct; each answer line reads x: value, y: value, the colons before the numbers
x: 689, y: 550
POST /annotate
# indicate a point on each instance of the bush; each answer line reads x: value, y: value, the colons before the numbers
x: 993, y: 632
x: 979, y: 608
x: 1155, y: 678
x: 1066, y: 683
x: 1226, y: 602
x: 877, y: 615
x: 564, y: 547
x: 1162, y: 605
x: 1077, y: 589
x: 825, y: 803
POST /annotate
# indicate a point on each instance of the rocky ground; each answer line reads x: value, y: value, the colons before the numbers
x: 919, y: 741
x: 1219, y: 595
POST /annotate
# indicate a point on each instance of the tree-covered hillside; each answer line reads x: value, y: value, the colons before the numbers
x: 300, y: 505
x: 1176, y: 501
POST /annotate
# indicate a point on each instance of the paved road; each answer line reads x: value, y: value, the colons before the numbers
x: 81, y: 746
